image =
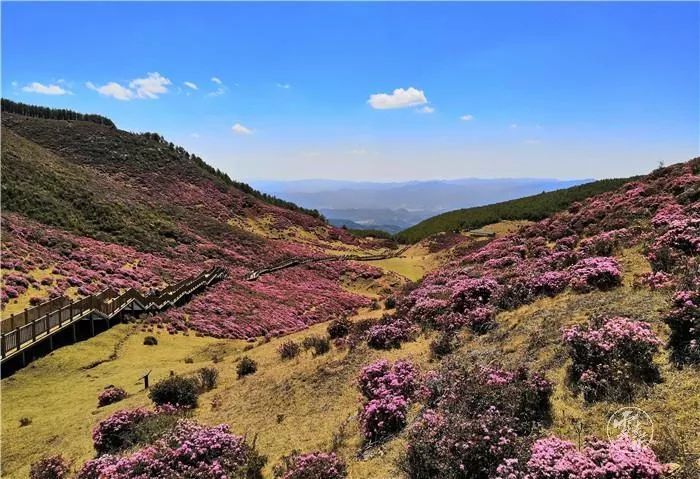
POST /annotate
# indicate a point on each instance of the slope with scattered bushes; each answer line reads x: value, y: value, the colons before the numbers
x: 532, y: 208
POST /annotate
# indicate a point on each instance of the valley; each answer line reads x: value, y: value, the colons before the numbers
x: 469, y: 345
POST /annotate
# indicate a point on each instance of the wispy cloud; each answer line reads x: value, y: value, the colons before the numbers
x: 426, y: 109
x: 400, y: 98
x: 221, y: 87
x: 191, y: 85
x: 466, y: 117
x: 513, y: 126
x: 241, y: 130
x: 36, y: 87
x: 285, y: 86
x: 195, y: 135
x: 150, y: 87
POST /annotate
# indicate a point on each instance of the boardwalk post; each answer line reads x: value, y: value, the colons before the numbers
x: 2, y: 346
x: 12, y: 321
x: 33, y: 330
x: 75, y: 335
x: 51, y: 343
x: 145, y: 379
x: 92, y: 324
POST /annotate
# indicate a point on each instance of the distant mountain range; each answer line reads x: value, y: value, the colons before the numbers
x: 394, y: 206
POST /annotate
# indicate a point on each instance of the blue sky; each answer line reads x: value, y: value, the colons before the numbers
x: 470, y: 89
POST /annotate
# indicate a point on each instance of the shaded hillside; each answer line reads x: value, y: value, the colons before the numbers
x: 533, y: 208
x: 87, y: 206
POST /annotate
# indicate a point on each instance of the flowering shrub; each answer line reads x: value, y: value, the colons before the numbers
x: 312, y: 465
x: 595, y: 273
x: 554, y: 458
x: 550, y: 283
x: 110, y: 395
x: 189, y: 450
x: 53, y: 467
x: 605, y: 243
x: 115, y: 432
x: 470, y: 293
x: 390, y: 333
x: 684, y: 321
x: 455, y: 446
x: 611, y: 356
x: 383, y: 416
x: 381, y: 378
x: 388, y: 389
x: 477, y: 418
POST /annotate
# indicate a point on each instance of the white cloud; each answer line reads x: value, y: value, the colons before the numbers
x: 191, y: 85
x: 150, y: 87
x: 466, y: 117
x: 400, y: 98
x: 241, y: 130
x: 217, y: 81
x: 514, y: 125
x: 15, y: 84
x: 426, y: 109
x: 36, y: 87
x: 194, y: 135
x: 112, y: 89
x: 285, y: 86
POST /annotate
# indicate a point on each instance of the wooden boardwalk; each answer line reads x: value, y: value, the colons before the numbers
x: 22, y: 331
x: 255, y: 274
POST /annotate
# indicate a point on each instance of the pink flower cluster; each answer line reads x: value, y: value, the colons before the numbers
x: 388, y: 390
x: 595, y: 273
x: 313, y: 465
x: 189, y: 450
x: 110, y: 434
x: 110, y: 395
x: 53, y: 467
x: 554, y: 458
x: 684, y: 321
x: 390, y: 333
x: 611, y: 355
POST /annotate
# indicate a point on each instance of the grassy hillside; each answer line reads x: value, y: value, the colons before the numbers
x: 529, y: 208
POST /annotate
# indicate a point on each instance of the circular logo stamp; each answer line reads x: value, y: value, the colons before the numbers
x: 633, y: 422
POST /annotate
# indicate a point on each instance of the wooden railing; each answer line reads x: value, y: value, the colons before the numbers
x: 40, y: 321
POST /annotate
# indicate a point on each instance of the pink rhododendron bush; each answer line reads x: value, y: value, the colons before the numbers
x: 125, y: 428
x: 611, y: 357
x: 476, y: 418
x: 54, y: 467
x: 110, y: 395
x: 684, y: 321
x: 554, y: 458
x: 388, y: 390
x: 312, y: 465
x: 188, y: 450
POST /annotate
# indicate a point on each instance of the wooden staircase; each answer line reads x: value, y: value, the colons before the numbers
x: 22, y: 331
